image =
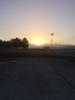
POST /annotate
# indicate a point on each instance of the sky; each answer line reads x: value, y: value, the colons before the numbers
x: 36, y: 19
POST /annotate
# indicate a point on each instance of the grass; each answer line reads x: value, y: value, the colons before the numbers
x: 20, y: 52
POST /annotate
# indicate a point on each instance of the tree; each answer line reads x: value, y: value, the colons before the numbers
x: 16, y: 42
x: 25, y: 43
x: 1, y: 43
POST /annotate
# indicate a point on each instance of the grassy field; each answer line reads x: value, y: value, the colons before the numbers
x: 19, y: 52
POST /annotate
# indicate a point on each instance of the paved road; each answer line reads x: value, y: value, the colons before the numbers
x: 37, y: 79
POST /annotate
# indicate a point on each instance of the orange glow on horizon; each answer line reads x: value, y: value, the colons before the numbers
x: 38, y: 41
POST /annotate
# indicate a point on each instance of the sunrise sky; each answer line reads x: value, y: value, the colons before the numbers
x: 35, y: 19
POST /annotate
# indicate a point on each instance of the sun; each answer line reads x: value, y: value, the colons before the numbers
x: 38, y: 41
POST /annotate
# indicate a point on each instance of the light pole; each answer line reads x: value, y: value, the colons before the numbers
x: 52, y: 34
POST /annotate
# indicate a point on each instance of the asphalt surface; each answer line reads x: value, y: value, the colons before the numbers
x: 37, y: 78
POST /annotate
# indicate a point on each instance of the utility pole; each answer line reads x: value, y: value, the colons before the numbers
x: 52, y: 34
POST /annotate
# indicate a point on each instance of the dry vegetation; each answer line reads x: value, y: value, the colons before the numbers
x: 21, y: 52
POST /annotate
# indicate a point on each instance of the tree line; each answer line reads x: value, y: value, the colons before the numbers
x: 13, y: 43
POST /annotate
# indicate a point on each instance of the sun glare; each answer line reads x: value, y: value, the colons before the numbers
x: 38, y: 41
